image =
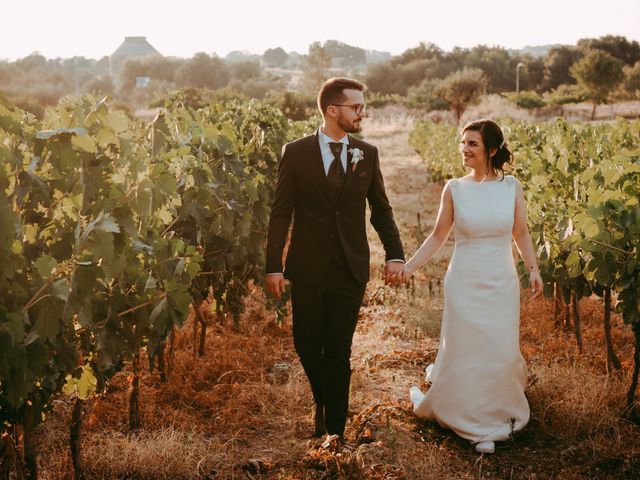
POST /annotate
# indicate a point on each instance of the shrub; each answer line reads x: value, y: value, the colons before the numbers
x: 527, y: 99
x: 423, y: 96
x: 565, y: 94
x: 295, y: 105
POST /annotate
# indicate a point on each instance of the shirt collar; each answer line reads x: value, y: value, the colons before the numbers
x: 324, y: 138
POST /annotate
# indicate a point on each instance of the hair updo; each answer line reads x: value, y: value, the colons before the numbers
x: 493, y: 138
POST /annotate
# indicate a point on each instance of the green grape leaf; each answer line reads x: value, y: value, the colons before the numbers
x: 45, y: 265
x: 47, y: 323
x: 84, y: 386
x: 117, y: 121
x: 60, y: 289
x: 573, y: 264
x: 84, y: 143
x: 158, y: 309
x: 15, y: 327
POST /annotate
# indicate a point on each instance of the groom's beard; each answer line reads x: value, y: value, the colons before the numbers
x: 350, y: 127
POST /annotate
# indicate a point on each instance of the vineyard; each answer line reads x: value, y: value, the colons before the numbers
x: 582, y: 186
x: 112, y: 229
x: 131, y: 252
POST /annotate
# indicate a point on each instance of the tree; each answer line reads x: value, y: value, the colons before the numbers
x: 616, y: 46
x: 156, y: 67
x: 203, y: 71
x: 99, y: 86
x: 532, y: 76
x: 557, y: 64
x: 295, y: 105
x: 461, y: 88
x: 345, y: 55
x: 599, y: 74
x: 241, y: 56
x: 400, y: 73
x: 424, y: 51
x: 32, y: 62
x: 381, y: 78
x: 275, y: 57
x: 316, y: 67
x: 632, y: 80
x: 423, y: 96
x: 257, y: 87
x: 245, y: 70
x: 393, y: 77
x: 496, y: 64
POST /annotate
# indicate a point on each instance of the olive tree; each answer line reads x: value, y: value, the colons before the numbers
x: 459, y: 89
x: 599, y: 74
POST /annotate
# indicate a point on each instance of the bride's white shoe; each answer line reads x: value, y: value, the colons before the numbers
x: 485, y: 447
x: 416, y: 396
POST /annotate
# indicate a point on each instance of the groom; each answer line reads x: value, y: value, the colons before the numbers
x: 324, y: 182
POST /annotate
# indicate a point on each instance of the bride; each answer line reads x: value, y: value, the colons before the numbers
x: 479, y: 375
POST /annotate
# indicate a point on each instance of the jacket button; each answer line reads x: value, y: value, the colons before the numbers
x: 337, y: 214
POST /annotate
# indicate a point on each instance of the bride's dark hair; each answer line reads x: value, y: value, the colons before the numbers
x: 493, y: 138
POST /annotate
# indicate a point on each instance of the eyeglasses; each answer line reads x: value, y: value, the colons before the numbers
x: 358, y: 108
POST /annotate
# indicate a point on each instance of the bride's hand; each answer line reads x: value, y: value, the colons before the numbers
x: 535, y: 282
x: 405, y: 274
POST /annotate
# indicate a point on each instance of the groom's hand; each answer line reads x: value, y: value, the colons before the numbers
x: 275, y: 284
x: 393, y: 273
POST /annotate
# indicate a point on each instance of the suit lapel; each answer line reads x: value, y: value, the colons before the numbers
x: 317, y: 165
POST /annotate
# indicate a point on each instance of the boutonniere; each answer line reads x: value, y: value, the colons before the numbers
x: 356, y: 156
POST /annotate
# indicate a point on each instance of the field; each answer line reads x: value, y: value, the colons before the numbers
x: 243, y: 410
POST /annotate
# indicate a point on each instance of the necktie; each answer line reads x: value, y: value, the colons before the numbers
x: 335, y: 176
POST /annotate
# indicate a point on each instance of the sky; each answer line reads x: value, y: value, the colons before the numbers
x: 93, y: 29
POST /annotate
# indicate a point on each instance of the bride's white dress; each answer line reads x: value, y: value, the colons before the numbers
x: 479, y: 375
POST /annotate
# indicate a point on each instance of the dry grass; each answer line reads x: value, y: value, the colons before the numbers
x: 389, y: 120
x: 495, y: 106
x: 394, y: 119
x: 582, y: 111
x: 569, y: 401
x: 243, y: 409
x: 160, y: 454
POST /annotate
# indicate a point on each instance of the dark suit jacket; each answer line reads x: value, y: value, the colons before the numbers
x: 318, y: 221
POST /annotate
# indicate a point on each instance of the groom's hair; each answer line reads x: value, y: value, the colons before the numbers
x: 332, y: 91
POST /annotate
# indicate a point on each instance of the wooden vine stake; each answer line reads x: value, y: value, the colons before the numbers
x: 74, y: 439
x: 203, y: 330
x: 575, y: 303
x: 557, y: 299
x: 632, y: 404
x: 134, y: 398
x: 613, y: 362
x: 30, y: 447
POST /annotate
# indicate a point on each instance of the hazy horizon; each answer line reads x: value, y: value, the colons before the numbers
x: 90, y: 30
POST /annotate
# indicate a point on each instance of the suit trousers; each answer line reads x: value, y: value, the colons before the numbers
x: 324, y: 320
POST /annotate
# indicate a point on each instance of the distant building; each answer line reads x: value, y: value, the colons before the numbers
x: 132, y: 47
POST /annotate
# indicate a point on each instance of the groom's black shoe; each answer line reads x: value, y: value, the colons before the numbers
x: 318, y: 420
x: 336, y: 444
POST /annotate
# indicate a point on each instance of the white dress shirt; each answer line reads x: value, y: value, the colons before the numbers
x: 327, y: 154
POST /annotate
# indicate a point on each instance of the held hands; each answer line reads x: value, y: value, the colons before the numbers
x: 395, y: 273
x: 275, y: 284
x: 535, y: 282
